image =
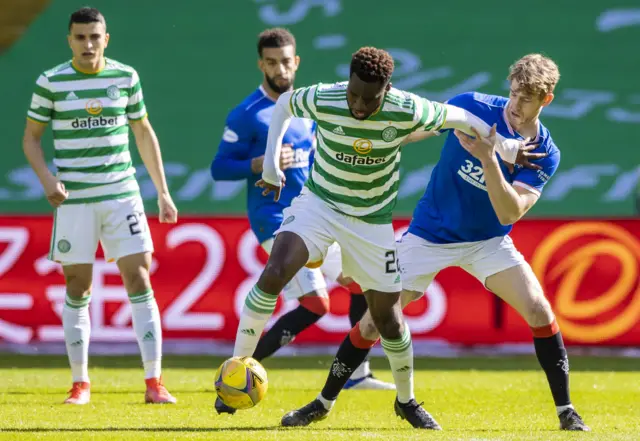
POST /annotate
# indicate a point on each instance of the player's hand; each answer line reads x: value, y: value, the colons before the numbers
x: 286, y: 156
x: 168, y: 213
x: 55, y: 192
x: 268, y: 188
x: 525, y: 156
x: 482, y: 148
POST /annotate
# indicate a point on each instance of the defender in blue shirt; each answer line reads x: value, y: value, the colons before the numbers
x: 471, y: 203
x: 240, y: 154
x: 467, y: 213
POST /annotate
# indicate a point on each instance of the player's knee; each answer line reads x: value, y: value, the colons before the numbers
x: 134, y: 270
x: 539, y: 312
x: 391, y: 330
x: 274, y: 277
x: 78, y: 286
x: 136, y: 279
x: 368, y: 329
x: 388, y: 323
x: 139, y: 283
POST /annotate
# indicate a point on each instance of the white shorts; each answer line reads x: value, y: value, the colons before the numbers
x: 368, y: 250
x: 120, y: 225
x: 421, y: 260
x: 304, y: 282
x: 332, y: 263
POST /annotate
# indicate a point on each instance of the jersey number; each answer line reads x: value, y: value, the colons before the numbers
x: 475, y: 172
x: 392, y: 263
x: 134, y: 223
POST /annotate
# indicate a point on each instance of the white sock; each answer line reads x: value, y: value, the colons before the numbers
x: 152, y: 369
x: 258, y: 308
x: 362, y: 371
x: 77, y: 331
x: 328, y: 404
x: 560, y: 409
x: 146, y: 324
x: 400, y: 355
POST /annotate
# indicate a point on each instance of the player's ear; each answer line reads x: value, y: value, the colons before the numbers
x: 388, y: 88
x: 296, y: 62
x: 547, y: 99
x: 261, y: 64
x: 106, y: 39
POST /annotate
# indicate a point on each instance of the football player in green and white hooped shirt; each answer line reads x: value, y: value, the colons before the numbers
x: 349, y: 199
x: 90, y: 102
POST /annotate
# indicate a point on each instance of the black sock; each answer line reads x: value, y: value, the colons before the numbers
x: 357, y: 308
x: 284, y: 331
x: 553, y: 358
x: 348, y: 358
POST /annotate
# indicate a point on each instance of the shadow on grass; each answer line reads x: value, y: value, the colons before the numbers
x: 233, y: 429
x: 103, y: 391
x: 498, y: 363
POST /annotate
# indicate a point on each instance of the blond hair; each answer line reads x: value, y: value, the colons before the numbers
x: 535, y: 73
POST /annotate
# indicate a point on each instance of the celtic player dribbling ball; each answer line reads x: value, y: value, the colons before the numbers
x: 241, y: 382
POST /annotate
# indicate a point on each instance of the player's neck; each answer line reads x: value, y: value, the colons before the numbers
x: 92, y: 68
x: 528, y: 129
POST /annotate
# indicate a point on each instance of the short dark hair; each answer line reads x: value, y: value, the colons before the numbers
x: 372, y: 65
x: 87, y: 15
x: 275, y: 37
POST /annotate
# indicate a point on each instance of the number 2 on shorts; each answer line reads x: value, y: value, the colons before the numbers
x: 392, y: 263
x: 134, y: 223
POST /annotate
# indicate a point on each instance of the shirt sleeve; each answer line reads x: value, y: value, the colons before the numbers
x: 233, y: 161
x: 535, y: 180
x: 462, y: 100
x: 463, y: 113
x: 280, y: 120
x: 41, y: 108
x: 136, y: 109
x: 430, y: 115
x: 302, y: 102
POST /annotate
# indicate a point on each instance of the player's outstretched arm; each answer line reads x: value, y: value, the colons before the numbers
x: 32, y: 147
x: 149, y: 149
x: 465, y: 121
x: 272, y: 176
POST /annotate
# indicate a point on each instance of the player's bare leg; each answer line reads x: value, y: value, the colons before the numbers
x: 288, y: 255
x: 146, y: 323
x: 519, y: 287
x: 77, y: 329
x: 384, y: 318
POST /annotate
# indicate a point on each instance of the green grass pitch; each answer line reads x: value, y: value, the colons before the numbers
x: 480, y: 399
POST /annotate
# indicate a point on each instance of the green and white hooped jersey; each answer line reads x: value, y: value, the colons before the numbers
x: 89, y: 115
x: 356, y: 167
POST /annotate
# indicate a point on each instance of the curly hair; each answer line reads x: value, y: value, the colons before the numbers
x: 535, y: 73
x: 372, y: 65
x: 275, y: 37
